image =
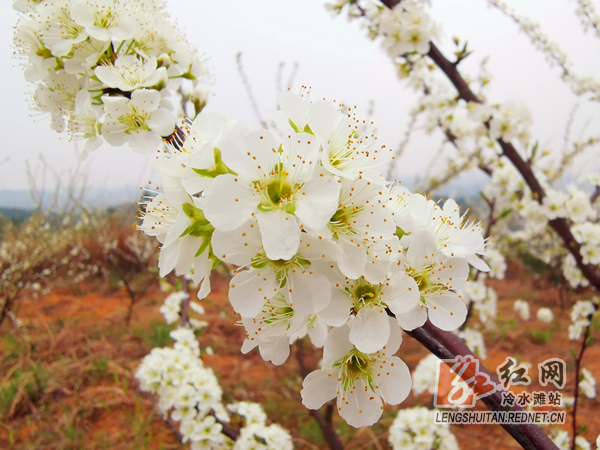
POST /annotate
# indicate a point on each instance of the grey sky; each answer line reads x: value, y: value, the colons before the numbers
x: 335, y: 58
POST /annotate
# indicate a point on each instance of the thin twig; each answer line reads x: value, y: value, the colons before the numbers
x: 584, y: 344
x: 324, y: 424
x: 249, y: 92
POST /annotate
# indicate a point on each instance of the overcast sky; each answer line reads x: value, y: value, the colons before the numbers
x: 335, y: 58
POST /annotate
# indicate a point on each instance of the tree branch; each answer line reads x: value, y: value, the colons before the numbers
x: 586, y: 335
x: 560, y: 226
x: 325, y: 423
x: 446, y: 345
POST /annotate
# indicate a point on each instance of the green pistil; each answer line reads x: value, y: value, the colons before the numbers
x: 365, y: 294
x: 352, y: 366
x: 104, y: 20
x: 135, y: 121
x: 280, y: 266
x: 340, y: 223
x: 278, y: 314
x: 277, y: 191
x: 426, y: 286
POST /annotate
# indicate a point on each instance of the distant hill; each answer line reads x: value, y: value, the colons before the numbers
x: 21, y: 200
x: 15, y: 214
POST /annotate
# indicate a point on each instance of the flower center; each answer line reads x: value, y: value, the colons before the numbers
x: 105, y: 19
x: 340, y: 223
x: 277, y: 191
x: 353, y: 366
x: 365, y: 294
x: 280, y: 266
x: 135, y: 121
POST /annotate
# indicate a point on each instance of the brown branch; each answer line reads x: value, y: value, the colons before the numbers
x: 595, y: 195
x: 560, y: 226
x: 446, y: 345
x: 584, y: 344
x: 324, y: 423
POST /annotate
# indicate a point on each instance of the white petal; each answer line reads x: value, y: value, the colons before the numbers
x: 307, y: 291
x: 370, y: 330
x: 395, y: 340
x: 337, y: 345
x: 323, y: 118
x: 352, y: 259
x: 319, y: 387
x: 318, y: 201
x: 229, y: 203
x: 362, y: 407
x: 337, y: 312
x: 144, y: 142
x: 146, y: 99
x: 238, y: 246
x: 249, y: 291
x: 162, y: 122
x: 423, y: 248
x: 402, y: 294
x: 295, y: 107
x: 478, y: 263
x: 412, y: 319
x: 446, y: 311
x: 393, y: 380
x: 280, y: 234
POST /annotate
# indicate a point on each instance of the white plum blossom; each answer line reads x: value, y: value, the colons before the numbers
x: 298, y: 277
x: 437, y: 278
x: 363, y: 383
x: 141, y: 121
x: 521, y: 307
x: 278, y: 184
x: 424, y: 375
x: 129, y: 72
x: 475, y: 341
x: 106, y: 49
x: 587, y: 383
x: 545, y: 315
x: 415, y: 428
x: 105, y: 19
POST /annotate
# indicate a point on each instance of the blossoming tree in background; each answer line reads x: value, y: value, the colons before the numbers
x: 320, y: 243
x: 108, y: 71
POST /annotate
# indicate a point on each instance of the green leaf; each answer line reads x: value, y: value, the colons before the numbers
x: 534, y: 150
x: 505, y: 212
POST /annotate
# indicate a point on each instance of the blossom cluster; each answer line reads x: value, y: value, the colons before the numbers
x: 416, y: 428
x: 107, y: 70
x: 562, y: 440
x: 587, y: 383
x: 320, y: 241
x: 555, y: 55
x: 580, y: 317
x: 475, y: 130
x: 189, y: 393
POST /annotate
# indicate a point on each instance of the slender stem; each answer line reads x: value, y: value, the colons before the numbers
x: 595, y: 195
x: 446, y: 345
x: 584, y: 344
x: 185, y: 303
x: 324, y: 423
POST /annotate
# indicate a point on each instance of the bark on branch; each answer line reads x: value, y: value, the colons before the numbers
x: 446, y: 345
